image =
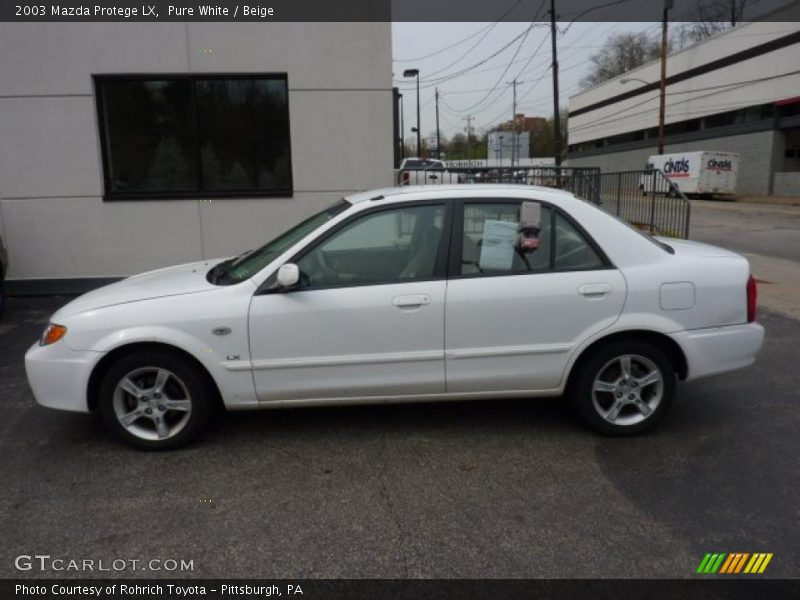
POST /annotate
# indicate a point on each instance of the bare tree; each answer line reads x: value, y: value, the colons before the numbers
x: 620, y: 54
x: 710, y: 17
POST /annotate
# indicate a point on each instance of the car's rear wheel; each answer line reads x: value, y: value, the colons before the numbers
x: 624, y: 388
x: 155, y: 400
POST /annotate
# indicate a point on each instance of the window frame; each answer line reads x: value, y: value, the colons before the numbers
x: 110, y: 195
x: 439, y: 269
x: 457, y: 241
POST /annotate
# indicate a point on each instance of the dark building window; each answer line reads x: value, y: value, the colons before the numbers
x: 184, y: 136
x: 721, y: 119
x: 682, y: 127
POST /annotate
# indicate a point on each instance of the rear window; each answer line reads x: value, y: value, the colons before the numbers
x: 419, y: 165
x: 665, y: 247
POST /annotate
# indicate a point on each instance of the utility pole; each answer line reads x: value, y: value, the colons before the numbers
x: 662, y: 101
x: 513, y: 119
x: 402, y: 128
x: 415, y: 73
x: 419, y: 139
x: 438, y: 139
x: 556, y: 108
x: 468, y: 119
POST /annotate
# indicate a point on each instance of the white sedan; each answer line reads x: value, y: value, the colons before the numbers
x: 407, y: 295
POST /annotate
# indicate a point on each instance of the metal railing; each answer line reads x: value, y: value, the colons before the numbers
x: 646, y: 199
x: 582, y: 181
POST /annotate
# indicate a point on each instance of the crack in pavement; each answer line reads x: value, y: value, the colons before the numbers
x: 386, y: 497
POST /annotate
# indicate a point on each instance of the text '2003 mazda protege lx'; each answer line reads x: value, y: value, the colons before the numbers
x: 408, y: 294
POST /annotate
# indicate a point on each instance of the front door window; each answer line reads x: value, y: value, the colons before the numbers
x: 391, y: 246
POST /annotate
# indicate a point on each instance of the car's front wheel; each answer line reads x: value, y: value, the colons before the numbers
x: 155, y: 400
x: 624, y: 388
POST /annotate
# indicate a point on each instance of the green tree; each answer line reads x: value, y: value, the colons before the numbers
x: 457, y: 148
x: 620, y: 54
x: 543, y: 143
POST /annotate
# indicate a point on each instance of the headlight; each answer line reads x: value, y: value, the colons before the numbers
x: 52, y: 334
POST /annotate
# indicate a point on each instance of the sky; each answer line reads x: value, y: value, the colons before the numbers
x: 441, y: 50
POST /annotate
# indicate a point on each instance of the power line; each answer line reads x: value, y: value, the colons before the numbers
x: 508, y: 66
x: 579, y: 43
x: 440, y: 80
x: 497, y: 84
x: 729, y: 86
x: 490, y: 26
x: 500, y: 66
x: 463, y: 56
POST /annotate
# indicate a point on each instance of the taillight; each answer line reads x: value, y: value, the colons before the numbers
x: 405, y: 177
x: 752, y: 299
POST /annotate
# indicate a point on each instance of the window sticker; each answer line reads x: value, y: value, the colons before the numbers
x: 497, y: 249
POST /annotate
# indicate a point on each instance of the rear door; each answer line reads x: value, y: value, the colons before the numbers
x: 512, y: 315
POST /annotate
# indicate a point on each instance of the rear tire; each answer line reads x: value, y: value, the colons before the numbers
x: 156, y: 400
x: 624, y: 387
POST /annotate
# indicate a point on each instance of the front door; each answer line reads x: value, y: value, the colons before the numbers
x: 367, y: 319
x: 515, y: 312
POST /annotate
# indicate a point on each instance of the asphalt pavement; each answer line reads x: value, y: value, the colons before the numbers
x: 757, y: 228
x: 768, y: 235
x: 477, y: 489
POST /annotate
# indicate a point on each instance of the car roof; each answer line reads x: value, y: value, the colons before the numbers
x: 478, y: 190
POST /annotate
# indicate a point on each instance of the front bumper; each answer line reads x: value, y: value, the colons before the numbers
x: 720, y: 349
x: 59, y: 376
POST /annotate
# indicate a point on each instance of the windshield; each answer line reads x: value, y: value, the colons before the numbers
x: 249, y: 263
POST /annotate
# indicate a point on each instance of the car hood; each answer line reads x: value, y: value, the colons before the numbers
x: 688, y: 248
x: 171, y: 281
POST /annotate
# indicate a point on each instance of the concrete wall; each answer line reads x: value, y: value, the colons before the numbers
x: 757, y: 152
x: 728, y: 88
x: 55, y: 222
x: 787, y: 184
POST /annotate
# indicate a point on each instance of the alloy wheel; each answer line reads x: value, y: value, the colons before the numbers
x: 627, y: 390
x: 152, y: 403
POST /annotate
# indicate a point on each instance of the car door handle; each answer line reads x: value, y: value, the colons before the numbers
x: 411, y: 301
x: 594, y: 289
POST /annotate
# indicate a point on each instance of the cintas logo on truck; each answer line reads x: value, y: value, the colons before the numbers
x: 692, y: 172
x: 676, y: 166
x: 720, y: 165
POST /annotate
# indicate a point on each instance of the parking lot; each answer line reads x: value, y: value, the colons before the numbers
x: 482, y: 489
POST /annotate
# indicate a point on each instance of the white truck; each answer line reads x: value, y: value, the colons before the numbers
x: 693, y: 173
x: 426, y: 171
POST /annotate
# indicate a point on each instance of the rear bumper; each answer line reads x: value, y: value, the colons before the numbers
x: 720, y: 349
x: 59, y: 376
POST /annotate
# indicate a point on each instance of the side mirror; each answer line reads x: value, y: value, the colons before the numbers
x: 288, y: 276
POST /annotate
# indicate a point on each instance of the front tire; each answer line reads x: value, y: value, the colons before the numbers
x: 624, y: 388
x: 155, y: 400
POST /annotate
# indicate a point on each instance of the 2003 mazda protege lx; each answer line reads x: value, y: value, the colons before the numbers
x: 408, y: 294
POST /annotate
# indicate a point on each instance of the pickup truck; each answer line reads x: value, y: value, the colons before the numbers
x: 426, y: 171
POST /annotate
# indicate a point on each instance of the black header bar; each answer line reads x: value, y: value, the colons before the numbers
x: 699, y: 587
x: 365, y: 10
